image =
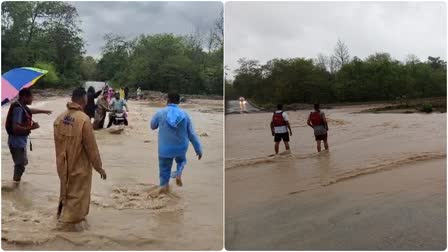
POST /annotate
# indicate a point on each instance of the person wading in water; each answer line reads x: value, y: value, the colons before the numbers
x: 318, y: 122
x: 76, y: 154
x: 279, y: 128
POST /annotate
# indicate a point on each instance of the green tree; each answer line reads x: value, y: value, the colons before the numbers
x: 89, y: 68
x: 51, y: 78
x: 376, y: 78
x: 36, y: 32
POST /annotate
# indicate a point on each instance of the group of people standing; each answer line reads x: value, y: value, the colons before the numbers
x: 77, y: 151
x: 281, y: 129
x: 108, y: 101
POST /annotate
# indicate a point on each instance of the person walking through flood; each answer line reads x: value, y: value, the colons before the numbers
x: 102, y: 107
x: 175, y: 133
x: 318, y: 122
x: 91, y: 96
x: 19, y: 124
x: 76, y: 154
x: 126, y: 93
x: 122, y: 94
x: 279, y: 128
x: 139, y: 93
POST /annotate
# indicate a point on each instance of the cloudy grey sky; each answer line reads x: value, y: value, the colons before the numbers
x: 131, y: 19
x: 267, y: 30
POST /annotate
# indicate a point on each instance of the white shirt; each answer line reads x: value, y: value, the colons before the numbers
x: 282, y: 129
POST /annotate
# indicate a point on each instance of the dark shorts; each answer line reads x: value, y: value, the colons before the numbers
x: 321, y: 137
x: 19, y: 156
x: 279, y: 137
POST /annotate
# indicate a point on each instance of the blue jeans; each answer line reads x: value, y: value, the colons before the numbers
x: 165, y: 165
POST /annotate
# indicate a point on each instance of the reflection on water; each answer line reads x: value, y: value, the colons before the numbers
x: 20, y: 194
x: 324, y: 166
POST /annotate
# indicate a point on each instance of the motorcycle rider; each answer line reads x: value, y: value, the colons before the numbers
x: 117, y: 106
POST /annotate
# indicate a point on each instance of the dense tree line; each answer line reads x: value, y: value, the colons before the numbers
x: 338, y: 78
x: 163, y: 62
x: 47, y: 35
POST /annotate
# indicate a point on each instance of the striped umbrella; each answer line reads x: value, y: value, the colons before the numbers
x: 18, y: 78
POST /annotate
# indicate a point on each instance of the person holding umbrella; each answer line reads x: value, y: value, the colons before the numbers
x: 19, y: 124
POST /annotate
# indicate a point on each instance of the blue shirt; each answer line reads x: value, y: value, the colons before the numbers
x: 118, y: 105
x: 17, y: 141
x: 175, y: 132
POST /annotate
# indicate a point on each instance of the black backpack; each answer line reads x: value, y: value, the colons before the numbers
x: 26, y: 119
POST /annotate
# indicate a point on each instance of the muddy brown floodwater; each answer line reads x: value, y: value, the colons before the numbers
x: 382, y: 185
x: 121, y: 216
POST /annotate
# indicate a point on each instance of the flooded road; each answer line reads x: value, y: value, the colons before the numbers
x: 121, y: 217
x: 382, y: 170
x: 233, y: 107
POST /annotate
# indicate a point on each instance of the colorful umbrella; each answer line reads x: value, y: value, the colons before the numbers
x: 16, y: 79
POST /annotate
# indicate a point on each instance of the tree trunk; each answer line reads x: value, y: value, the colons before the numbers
x: 33, y: 20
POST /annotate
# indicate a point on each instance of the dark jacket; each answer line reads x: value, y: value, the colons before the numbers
x: 126, y: 93
x: 90, y: 107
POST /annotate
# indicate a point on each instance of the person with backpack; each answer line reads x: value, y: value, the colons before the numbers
x: 19, y: 124
x: 280, y: 127
x: 318, y: 122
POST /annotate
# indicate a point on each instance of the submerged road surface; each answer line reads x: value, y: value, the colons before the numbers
x: 233, y: 107
x: 382, y: 186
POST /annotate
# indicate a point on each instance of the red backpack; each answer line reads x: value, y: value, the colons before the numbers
x: 278, y: 120
x: 316, y: 118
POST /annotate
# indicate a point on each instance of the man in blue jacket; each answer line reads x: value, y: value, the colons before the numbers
x: 175, y: 133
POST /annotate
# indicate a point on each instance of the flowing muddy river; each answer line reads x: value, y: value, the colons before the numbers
x: 121, y: 217
x: 382, y: 185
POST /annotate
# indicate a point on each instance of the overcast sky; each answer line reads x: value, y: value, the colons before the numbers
x: 131, y: 19
x: 267, y: 30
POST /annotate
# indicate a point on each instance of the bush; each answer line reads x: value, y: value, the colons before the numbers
x: 427, y: 108
x: 51, y: 79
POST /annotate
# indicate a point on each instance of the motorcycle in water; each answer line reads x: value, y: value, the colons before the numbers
x: 119, y: 118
